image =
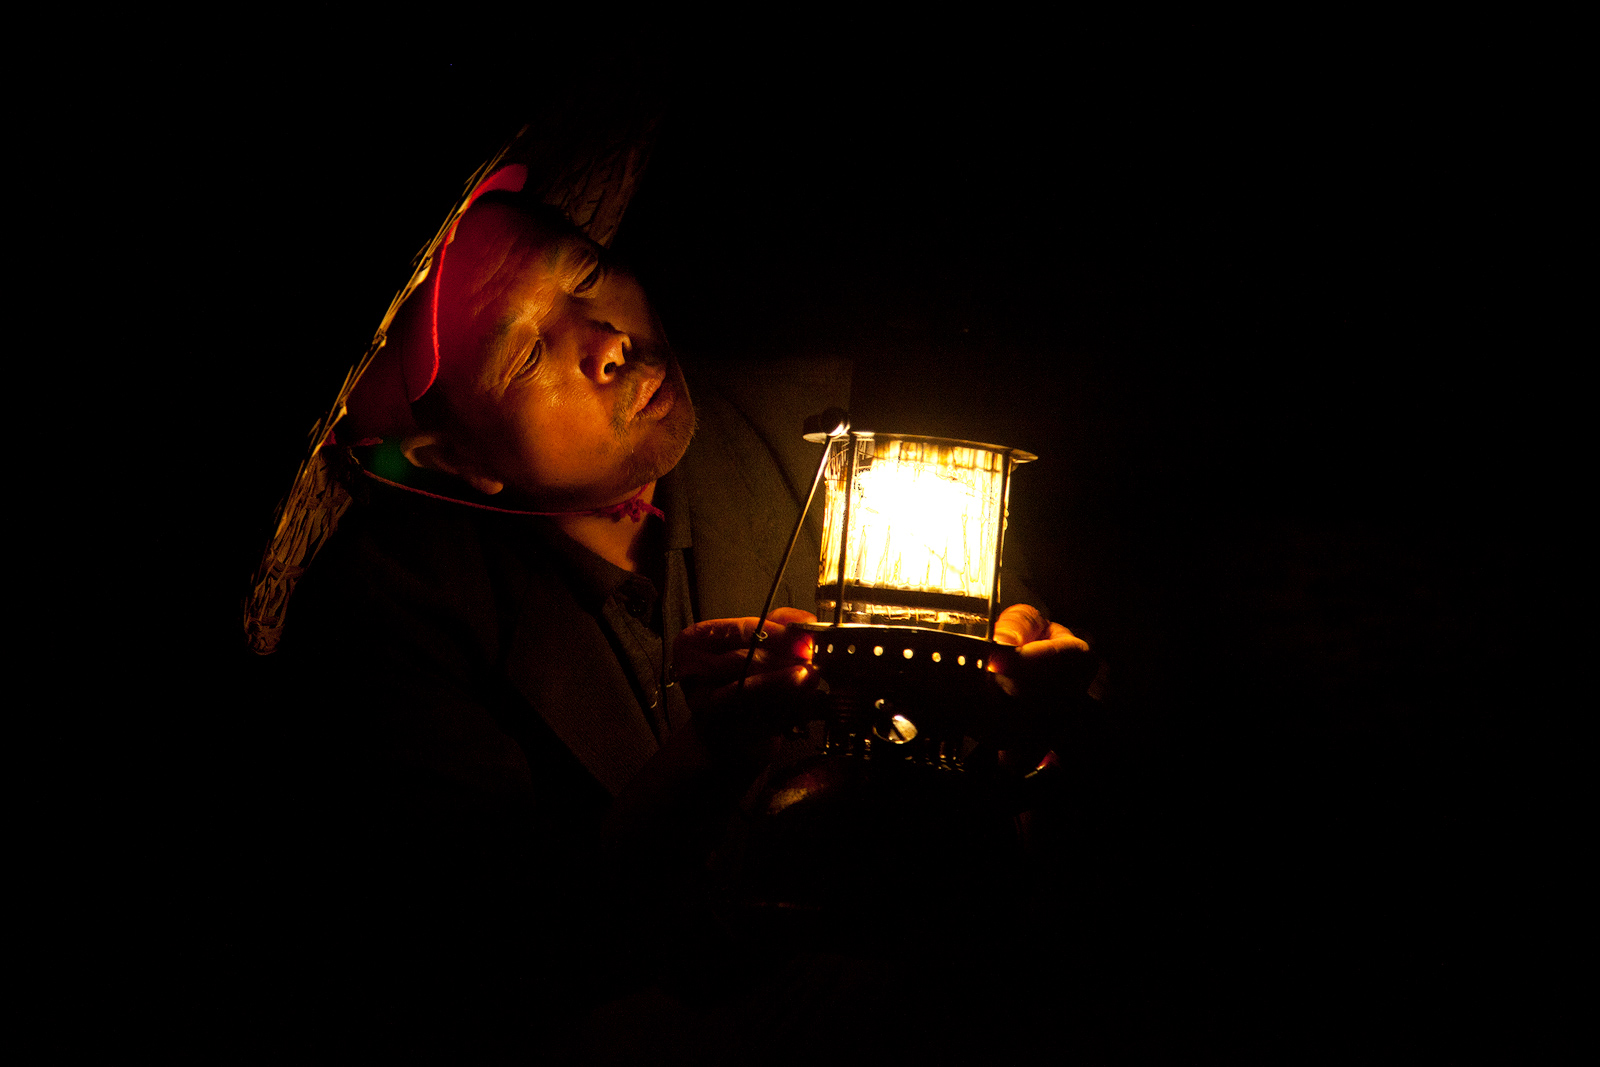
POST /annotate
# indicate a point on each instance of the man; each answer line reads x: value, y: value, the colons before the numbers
x: 528, y: 710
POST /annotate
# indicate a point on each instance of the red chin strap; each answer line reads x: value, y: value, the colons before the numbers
x: 421, y: 367
x: 635, y: 507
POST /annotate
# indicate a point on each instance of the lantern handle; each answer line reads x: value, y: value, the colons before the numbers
x: 823, y: 429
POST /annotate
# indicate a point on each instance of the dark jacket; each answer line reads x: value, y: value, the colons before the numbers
x: 470, y: 717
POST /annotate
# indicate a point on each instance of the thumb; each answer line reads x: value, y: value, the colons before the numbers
x: 1019, y: 624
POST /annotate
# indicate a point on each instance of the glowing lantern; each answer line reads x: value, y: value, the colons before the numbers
x: 912, y: 538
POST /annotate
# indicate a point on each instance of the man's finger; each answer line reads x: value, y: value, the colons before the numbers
x: 771, y: 683
x: 786, y: 616
x: 717, y: 648
x: 727, y: 635
x: 1059, y: 642
x: 1059, y: 639
x: 1020, y: 624
x: 731, y: 664
x: 721, y: 634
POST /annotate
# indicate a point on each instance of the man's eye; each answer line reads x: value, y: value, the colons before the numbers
x: 530, y: 361
x: 589, y: 281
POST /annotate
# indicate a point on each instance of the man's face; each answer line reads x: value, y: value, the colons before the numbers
x: 554, y: 366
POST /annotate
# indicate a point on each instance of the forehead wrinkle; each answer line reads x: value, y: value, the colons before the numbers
x: 501, y: 275
x: 510, y: 273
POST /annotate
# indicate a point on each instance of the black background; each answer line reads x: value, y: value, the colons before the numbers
x: 1257, y: 307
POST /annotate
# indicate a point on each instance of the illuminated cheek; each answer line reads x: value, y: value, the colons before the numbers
x: 538, y: 436
x: 549, y: 443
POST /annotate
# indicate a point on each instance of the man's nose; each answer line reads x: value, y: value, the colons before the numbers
x: 605, y: 352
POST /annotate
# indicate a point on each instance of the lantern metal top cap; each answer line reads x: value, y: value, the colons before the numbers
x: 835, y: 422
x: 1017, y: 455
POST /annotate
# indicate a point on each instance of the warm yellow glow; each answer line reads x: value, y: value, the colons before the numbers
x: 924, y: 516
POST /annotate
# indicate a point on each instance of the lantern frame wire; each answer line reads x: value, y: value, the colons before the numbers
x: 824, y: 429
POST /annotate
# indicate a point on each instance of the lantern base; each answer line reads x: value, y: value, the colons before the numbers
x: 968, y: 616
x: 900, y: 693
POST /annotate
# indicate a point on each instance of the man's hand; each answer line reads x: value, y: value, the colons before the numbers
x: 1044, y: 658
x: 710, y: 657
x: 686, y: 786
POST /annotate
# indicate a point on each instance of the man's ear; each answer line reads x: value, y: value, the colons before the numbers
x: 432, y: 451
